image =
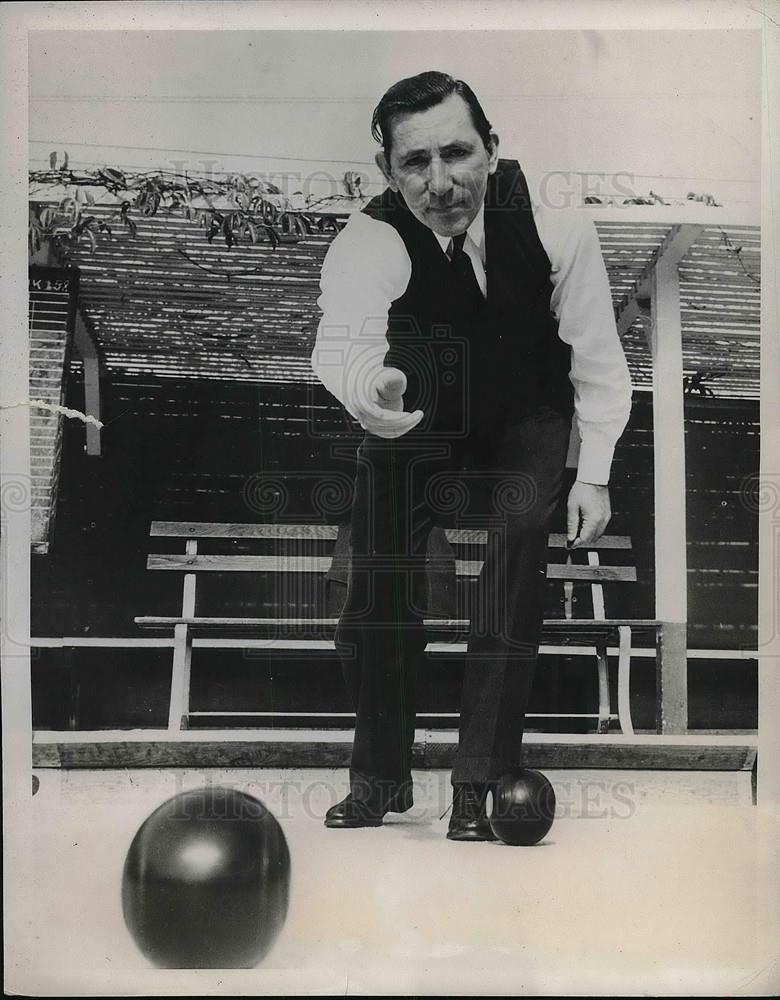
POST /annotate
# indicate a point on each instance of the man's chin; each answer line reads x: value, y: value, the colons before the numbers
x: 447, y: 223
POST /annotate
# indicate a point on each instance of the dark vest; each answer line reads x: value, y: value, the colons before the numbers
x: 467, y: 370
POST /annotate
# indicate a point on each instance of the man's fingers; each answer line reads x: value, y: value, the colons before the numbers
x: 388, y: 423
x: 388, y: 417
x: 402, y: 427
x: 572, y: 520
x: 591, y: 532
x: 587, y: 514
x: 391, y: 384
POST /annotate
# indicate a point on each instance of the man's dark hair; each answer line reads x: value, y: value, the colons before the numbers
x: 418, y: 93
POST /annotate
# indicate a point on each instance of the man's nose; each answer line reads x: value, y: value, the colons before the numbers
x: 439, y: 180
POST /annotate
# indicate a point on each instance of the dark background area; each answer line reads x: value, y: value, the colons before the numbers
x: 179, y: 449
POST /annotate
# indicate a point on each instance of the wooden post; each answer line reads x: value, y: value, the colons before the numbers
x: 671, y: 584
x: 74, y: 688
x: 182, y: 652
x: 92, y: 402
x: 85, y: 346
x: 624, y: 681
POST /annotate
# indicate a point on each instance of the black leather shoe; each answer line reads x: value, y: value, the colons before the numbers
x: 352, y: 813
x: 469, y: 819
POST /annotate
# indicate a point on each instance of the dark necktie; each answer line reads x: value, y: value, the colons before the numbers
x: 461, y: 264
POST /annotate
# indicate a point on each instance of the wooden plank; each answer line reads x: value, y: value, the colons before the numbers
x: 204, y: 529
x: 671, y: 678
x: 190, y: 582
x: 624, y: 681
x: 157, y: 621
x: 244, y: 749
x: 292, y: 717
x: 87, y: 350
x: 572, y: 624
x: 671, y: 583
x: 675, y: 758
x: 675, y: 245
x: 321, y: 564
x: 562, y: 632
x: 99, y: 642
x: 470, y: 536
x: 240, y: 563
x: 707, y: 737
x: 593, y: 574
x: 92, y: 405
x: 149, y: 621
x: 169, y: 753
x: 547, y: 647
x: 46, y: 755
x: 166, y: 642
x: 458, y: 536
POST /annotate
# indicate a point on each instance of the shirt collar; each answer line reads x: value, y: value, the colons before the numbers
x: 476, y: 231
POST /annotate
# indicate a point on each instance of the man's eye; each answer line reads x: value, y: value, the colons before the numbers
x: 416, y: 161
x: 455, y: 154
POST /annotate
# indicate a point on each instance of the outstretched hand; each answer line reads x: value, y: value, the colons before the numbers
x: 380, y: 409
x: 588, y: 513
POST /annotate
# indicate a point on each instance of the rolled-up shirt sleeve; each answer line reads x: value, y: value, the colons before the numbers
x: 365, y: 269
x: 582, y: 304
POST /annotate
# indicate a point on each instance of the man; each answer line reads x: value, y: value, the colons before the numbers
x: 462, y: 327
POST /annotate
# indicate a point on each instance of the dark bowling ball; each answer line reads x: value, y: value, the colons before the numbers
x: 206, y: 881
x: 523, y: 807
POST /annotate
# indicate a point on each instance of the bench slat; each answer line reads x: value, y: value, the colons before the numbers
x: 559, y: 626
x: 269, y: 564
x: 593, y: 574
x: 240, y: 563
x: 146, y: 621
x: 556, y: 541
x: 293, y: 636
x: 321, y: 564
x: 328, y: 532
x: 205, y: 529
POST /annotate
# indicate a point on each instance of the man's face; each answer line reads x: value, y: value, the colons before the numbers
x: 440, y: 166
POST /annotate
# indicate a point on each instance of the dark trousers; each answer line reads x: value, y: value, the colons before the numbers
x: 402, y: 488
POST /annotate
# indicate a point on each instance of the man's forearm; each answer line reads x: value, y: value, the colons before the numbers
x: 597, y: 449
x: 348, y: 369
x: 365, y: 268
x: 599, y: 374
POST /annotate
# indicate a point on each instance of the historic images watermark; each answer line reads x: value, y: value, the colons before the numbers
x: 308, y: 797
x: 298, y: 189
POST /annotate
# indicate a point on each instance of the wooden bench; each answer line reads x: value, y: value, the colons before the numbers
x: 302, y: 555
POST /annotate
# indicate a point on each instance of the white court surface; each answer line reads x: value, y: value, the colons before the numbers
x: 647, y: 882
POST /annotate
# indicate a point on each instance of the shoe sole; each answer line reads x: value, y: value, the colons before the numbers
x: 475, y: 835
x: 339, y: 825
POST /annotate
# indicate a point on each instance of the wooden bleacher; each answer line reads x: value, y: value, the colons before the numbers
x: 298, y: 556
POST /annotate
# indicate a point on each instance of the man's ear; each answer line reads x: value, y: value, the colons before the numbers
x: 381, y: 161
x: 493, y: 161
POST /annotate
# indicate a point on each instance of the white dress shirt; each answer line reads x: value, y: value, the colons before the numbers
x: 367, y: 267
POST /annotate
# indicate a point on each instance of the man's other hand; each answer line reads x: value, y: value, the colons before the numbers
x: 588, y: 513
x: 381, y: 410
